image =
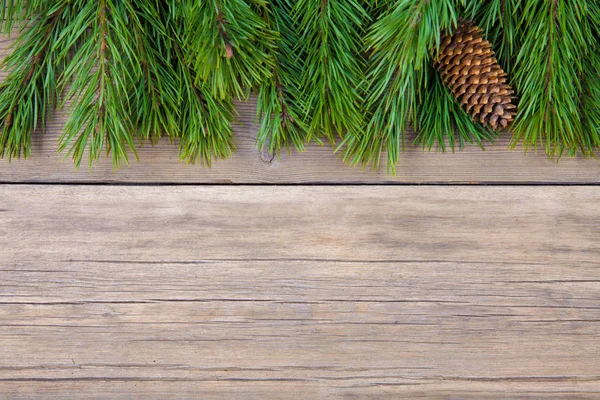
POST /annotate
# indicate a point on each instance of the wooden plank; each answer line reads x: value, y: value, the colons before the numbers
x: 338, y: 292
x: 318, y: 164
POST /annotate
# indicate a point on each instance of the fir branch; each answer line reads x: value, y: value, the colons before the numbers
x: 589, y: 103
x: 229, y: 41
x: 206, y: 131
x: 279, y: 104
x: 29, y: 93
x: 205, y: 122
x: 156, y: 98
x: 556, y: 39
x: 332, y: 76
x: 400, y: 45
x: 589, y: 100
x: 102, y: 71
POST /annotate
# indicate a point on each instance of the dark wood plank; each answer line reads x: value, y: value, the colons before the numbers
x: 160, y: 164
x: 299, y: 292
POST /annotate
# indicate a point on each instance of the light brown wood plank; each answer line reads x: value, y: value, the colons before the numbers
x: 299, y: 292
x: 160, y: 164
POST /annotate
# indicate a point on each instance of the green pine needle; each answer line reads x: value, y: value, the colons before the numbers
x: 18, y: 12
x: 100, y: 72
x: 400, y: 44
x: 441, y: 119
x: 204, y: 121
x: 332, y: 75
x: 280, y: 109
x: 230, y: 44
x: 29, y: 93
x: 590, y: 98
x: 557, y: 39
x: 155, y: 100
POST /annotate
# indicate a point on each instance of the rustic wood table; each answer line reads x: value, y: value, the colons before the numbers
x: 473, y: 275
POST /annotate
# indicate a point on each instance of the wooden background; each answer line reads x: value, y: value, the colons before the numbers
x: 127, y: 285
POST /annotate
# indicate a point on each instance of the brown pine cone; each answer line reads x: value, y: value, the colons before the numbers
x: 467, y: 65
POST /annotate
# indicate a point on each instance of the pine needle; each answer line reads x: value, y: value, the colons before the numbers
x: 229, y: 41
x: 400, y: 43
x: 100, y: 74
x: 29, y: 93
x: 332, y: 75
x: 280, y: 108
x: 557, y: 41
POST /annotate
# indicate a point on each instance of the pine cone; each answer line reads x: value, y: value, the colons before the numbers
x: 467, y: 65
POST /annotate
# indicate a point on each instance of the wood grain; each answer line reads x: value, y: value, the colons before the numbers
x: 346, y: 292
x: 160, y: 164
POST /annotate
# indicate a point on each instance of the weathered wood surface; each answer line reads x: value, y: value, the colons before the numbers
x: 348, y: 292
x: 160, y: 164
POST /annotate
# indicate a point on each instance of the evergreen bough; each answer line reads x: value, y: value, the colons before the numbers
x: 363, y: 70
